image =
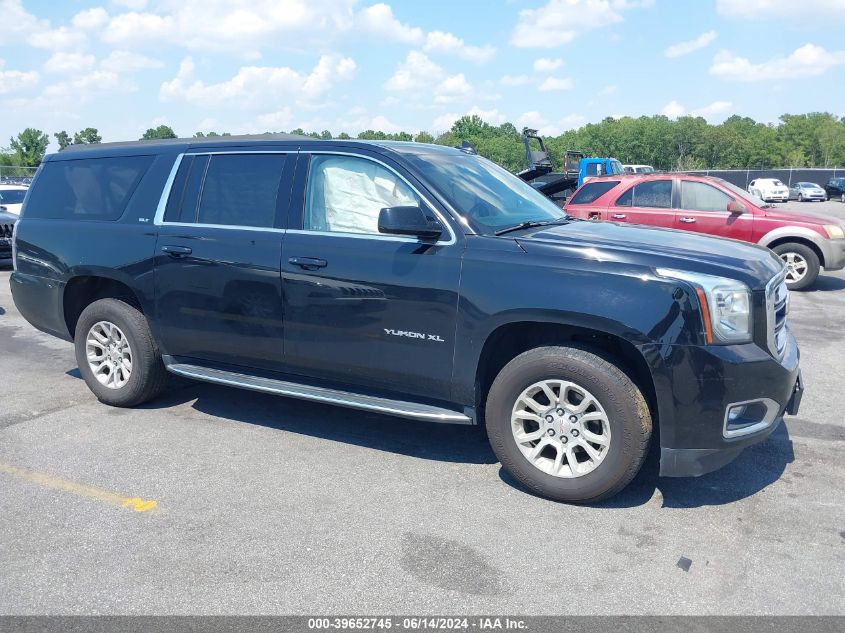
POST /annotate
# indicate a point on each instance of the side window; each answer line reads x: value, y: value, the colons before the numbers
x: 592, y: 169
x: 346, y: 193
x: 239, y: 190
x: 86, y: 188
x: 655, y: 194
x: 699, y: 196
x: 593, y: 190
x: 184, y: 196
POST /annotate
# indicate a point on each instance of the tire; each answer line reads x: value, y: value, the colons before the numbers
x: 146, y: 377
x: 800, y: 197
x: 792, y: 253
x: 842, y: 199
x: 625, y: 411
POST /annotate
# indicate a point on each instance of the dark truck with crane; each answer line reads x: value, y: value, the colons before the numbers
x: 575, y: 170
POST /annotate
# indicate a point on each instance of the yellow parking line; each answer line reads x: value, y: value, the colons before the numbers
x: 83, y: 490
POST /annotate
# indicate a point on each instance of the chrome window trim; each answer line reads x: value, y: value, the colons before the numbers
x: 772, y: 409
x: 452, y: 237
x: 165, y: 193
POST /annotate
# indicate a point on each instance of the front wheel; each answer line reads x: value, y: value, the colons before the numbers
x: 117, y: 355
x: 567, y: 424
x: 802, y: 264
x: 800, y: 197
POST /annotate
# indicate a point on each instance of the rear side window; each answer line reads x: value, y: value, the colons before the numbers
x: 87, y: 188
x: 592, y: 191
x: 654, y: 194
x: 699, y: 196
x: 241, y: 190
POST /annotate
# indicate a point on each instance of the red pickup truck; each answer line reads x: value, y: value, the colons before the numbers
x: 705, y: 204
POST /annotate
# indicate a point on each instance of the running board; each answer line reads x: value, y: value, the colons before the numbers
x: 320, y: 394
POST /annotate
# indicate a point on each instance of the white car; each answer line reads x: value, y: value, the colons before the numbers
x: 769, y: 190
x: 11, y: 198
x: 637, y: 169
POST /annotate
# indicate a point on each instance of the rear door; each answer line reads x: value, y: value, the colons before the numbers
x: 704, y: 209
x: 217, y: 274
x: 648, y: 202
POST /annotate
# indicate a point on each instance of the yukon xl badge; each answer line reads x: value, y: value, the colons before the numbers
x: 418, y: 335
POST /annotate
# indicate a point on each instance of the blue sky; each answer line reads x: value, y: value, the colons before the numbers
x: 247, y: 66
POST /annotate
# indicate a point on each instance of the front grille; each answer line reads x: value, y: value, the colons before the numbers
x: 6, y: 230
x: 777, y: 307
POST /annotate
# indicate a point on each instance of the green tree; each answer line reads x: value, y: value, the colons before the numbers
x: 424, y: 137
x: 326, y: 135
x: 162, y: 131
x: 29, y: 147
x: 87, y: 136
x: 344, y: 136
x: 63, y: 139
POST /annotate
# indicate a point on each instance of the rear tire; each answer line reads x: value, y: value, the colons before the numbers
x: 616, y: 417
x: 802, y: 264
x: 117, y: 355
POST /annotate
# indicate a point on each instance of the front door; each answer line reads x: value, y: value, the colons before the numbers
x: 363, y: 307
x: 704, y: 209
x: 217, y: 275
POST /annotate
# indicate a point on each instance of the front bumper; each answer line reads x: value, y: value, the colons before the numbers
x: 833, y: 252
x: 695, y: 386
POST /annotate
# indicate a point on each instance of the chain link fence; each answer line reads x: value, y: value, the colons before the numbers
x: 16, y: 174
x: 787, y: 175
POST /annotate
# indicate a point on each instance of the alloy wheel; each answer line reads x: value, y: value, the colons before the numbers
x: 109, y: 354
x: 560, y: 428
x: 796, y: 267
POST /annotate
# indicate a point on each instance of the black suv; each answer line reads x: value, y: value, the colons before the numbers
x: 835, y: 189
x: 413, y: 280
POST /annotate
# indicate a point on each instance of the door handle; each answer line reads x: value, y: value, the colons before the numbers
x: 688, y: 220
x: 619, y: 216
x: 176, y: 251
x: 308, y: 263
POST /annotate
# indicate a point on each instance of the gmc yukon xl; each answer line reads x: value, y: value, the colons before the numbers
x: 413, y: 280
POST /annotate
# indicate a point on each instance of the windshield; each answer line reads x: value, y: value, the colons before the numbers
x: 490, y: 196
x: 615, y: 167
x: 809, y: 185
x: 645, y: 170
x: 777, y: 183
x: 12, y: 196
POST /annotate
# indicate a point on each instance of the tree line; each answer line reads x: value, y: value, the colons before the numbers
x: 816, y: 139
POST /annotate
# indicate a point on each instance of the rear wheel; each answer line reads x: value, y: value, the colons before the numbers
x: 802, y: 264
x: 117, y: 355
x: 567, y: 424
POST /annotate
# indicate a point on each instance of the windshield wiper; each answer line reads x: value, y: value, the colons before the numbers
x: 530, y: 224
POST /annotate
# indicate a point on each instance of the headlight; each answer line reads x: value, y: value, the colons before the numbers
x: 835, y: 232
x: 725, y: 305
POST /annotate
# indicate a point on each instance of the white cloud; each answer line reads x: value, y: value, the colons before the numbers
x: 256, y: 84
x: 418, y: 75
x: 90, y: 18
x: 69, y: 63
x: 442, y: 42
x: 555, y: 83
x: 16, y: 80
x: 379, y: 20
x: 84, y: 87
x: 685, y: 48
x: 132, y: 5
x: 126, y: 62
x: 806, y: 61
x: 454, y: 85
x: 673, y: 110
x: 515, y: 80
x: 607, y: 90
x: 279, y: 120
x: 547, y: 65
x: 537, y: 121
x: 779, y: 9
x: 561, y: 21
x: 714, y: 110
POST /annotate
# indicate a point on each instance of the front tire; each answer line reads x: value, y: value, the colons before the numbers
x: 800, y: 197
x: 117, y: 355
x: 567, y: 424
x: 802, y: 264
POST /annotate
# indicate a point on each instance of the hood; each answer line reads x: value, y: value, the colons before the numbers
x: 806, y: 218
x: 658, y: 248
x: 8, y: 218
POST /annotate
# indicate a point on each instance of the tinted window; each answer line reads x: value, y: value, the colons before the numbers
x: 86, y: 189
x: 656, y: 194
x: 699, y: 196
x: 346, y: 194
x: 184, y: 196
x: 239, y: 190
x: 592, y: 169
x: 592, y: 190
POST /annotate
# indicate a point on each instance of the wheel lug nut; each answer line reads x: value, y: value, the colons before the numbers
x: 550, y: 418
x: 560, y: 411
x: 574, y: 432
x: 573, y: 419
x: 551, y: 431
x: 564, y: 439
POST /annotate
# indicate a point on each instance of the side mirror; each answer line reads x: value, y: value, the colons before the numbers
x: 408, y: 221
x: 737, y: 207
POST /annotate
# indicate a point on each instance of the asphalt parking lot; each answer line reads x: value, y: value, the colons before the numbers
x: 218, y: 501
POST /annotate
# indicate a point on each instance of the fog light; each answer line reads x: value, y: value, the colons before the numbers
x: 744, y: 418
